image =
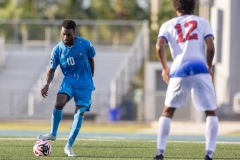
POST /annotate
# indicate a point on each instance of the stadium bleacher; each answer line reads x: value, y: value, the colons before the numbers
x: 107, y: 62
x: 23, y: 73
x: 16, y: 78
x: 23, y: 67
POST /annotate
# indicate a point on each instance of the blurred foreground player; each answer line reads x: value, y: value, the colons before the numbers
x: 190, y: 72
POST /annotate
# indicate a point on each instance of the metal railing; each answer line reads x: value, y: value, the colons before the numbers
x: 138, y: 31
x: 99, y: 32
x: 34, y: 95
x: 138, y: 53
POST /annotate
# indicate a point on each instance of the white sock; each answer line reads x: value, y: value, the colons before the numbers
x: 211, y: 132
x: 163, y: 132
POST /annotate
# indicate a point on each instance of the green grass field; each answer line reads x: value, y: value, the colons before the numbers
x: 21, y: 148
x: 89, y: 149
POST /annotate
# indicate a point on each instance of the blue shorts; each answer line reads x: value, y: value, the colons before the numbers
x: 81, y: 97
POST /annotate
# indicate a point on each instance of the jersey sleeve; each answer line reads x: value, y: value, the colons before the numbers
x: 163, y: 32
x: 207, y: 30
x: 54, y: 58
x: 91, y: 51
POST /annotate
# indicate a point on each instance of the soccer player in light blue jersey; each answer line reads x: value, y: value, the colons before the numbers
x: 74, y: 55
x: 190, y: 72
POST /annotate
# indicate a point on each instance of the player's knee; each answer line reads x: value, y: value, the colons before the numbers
x: 80, y: 110
x: 210, y: 113
x: 168, y: 112
x: 82, y: 114
x: 59, y: 105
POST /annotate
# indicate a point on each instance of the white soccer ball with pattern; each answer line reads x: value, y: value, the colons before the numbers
x: 42, y: 148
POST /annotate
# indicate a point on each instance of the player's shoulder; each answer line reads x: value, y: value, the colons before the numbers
x: 199, y: 19
x: 170, y: 22
x: 58, y: 46
x: 82, y: 40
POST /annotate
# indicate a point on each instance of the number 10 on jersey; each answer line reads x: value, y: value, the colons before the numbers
x: 70, y: 61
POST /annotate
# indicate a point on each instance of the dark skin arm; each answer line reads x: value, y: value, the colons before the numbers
x: 210, y: 52
x: 91, y: 61
x: 162, y: 57
x: 49, y: 78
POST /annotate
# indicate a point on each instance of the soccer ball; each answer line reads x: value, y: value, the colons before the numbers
x: 42, y: 148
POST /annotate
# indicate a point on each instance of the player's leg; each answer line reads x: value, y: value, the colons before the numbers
x: 76, y: 125
x: 63, y: 96
x: 61, y: 101
x: 163, y: 131
x: 204, y: 99
x: 74, y: 130
x: 175, y: 97
x: 83, y: 103
x: 211, y: 132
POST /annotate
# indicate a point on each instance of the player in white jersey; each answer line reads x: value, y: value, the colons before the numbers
x: 190, y: 72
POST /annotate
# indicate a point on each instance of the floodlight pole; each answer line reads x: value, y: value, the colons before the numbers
x: 30, y: 104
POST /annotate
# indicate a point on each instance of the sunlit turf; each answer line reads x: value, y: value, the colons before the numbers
x: 89, y: 149
x: 106, y: 149
x: 86, y: 127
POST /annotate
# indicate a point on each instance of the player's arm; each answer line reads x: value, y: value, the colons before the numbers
x: 210, y: 49
x: 91, y: 61
x: 161, y: 54
x: 49, y: 78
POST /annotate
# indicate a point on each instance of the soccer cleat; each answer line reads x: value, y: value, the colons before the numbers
x: 47, y: 136
x: 69, y: 152
x: 158, y: 157
x: 207, y: 158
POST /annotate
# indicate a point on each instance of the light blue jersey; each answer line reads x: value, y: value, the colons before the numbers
x: 74, y: 63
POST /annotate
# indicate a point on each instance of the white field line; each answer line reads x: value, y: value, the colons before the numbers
x: 116, y: 139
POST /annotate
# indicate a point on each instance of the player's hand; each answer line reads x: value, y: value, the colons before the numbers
x: 210, y: 72
x: 44, y: 91
x: 165, y: 75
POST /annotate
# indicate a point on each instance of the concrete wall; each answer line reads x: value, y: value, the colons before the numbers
x: 154, y: 96
x: 225, y: 23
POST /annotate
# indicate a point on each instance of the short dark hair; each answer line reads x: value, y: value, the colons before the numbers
x: 184, y: 6
x: 69, y: 24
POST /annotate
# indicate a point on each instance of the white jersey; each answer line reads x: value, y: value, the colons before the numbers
x: 185, y: 35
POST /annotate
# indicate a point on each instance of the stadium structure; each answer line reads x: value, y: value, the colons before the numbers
x: 121, y: 54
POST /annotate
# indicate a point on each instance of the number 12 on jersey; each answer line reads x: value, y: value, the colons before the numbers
x: 189, y: 35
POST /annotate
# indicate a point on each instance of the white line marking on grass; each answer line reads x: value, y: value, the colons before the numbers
x: 115, y: 139
x: 89, y: 139
x: 79, y: 139
x: 218, y: 142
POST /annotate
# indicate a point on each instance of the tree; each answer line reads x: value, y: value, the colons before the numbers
x: 165, y: 13
x: 19, y: 9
